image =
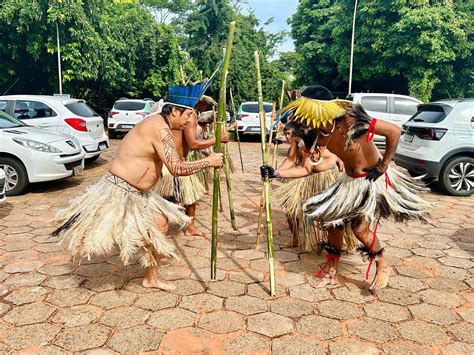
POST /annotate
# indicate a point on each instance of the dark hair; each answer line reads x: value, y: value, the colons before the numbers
x: 318, y: 92
x: 308, y: 136
x: 166, y: 110
x: 357, y: 111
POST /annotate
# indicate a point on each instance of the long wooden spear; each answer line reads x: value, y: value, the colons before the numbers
x: 217, y: 148
x: 236, y: 129
x: 266, y: 181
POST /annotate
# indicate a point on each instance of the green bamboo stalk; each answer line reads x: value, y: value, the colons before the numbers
x: 217, y: 148
x: 262, y: 197
x: 236, y: 129
x: 229, y: 187
x: 275, y: 147
x: 266, y: 181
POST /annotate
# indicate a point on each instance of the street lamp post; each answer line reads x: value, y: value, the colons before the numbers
x: 59, y: 61
x: 352, y: 47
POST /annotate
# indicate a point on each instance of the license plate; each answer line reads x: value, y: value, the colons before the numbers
x: 127, y: 126
x: 255, y: 129
x: 77, y: 170
x: 408, y: 137
x: 102, y: 146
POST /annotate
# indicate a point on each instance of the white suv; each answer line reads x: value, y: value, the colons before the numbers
x: 61, y: 115
x: 126, y: 113
x: 248, y: 120
x: 438, y: 141
x: 392, y: 108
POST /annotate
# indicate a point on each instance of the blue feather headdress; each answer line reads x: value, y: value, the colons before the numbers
x: 188, y: 96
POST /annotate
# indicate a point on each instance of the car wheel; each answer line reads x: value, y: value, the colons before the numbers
x: 91, y: 160
x: 457, y: 176
x: 16, y: 176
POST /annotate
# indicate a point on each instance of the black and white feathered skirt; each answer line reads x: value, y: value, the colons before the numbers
x: 393, y: 195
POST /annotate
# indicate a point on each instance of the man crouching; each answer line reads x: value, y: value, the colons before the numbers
x: 122, y: 210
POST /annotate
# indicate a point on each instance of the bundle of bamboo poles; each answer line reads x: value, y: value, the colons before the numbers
x: 221, y: 118
x: 236, y: 129
x: 266, y: 181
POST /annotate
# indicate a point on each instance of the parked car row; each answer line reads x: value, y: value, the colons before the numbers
x: 46, y: 138
x: 126, y: 113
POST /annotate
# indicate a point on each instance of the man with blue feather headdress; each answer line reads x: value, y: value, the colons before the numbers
x: 121, y: 209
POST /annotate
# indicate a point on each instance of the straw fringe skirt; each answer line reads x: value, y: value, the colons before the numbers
x: 392, y: 195
x: 185, y: 190
x: 291, y: 197
x: 112, y: 212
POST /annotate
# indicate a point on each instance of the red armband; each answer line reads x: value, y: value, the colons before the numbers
x: 371, y: 131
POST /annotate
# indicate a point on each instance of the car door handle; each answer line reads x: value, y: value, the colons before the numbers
x: 472, y: 119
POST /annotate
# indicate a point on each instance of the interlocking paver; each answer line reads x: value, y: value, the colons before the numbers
x: 84, y: 307
x: 246, y: 305
x: 423, y: 333
x: 124, y: 317
x: 289, y: 344
x: 29, y: 314
x: 136, y: 339
x: 78, y: 315
x: 270, y: 324
x: 168, y: 319
x: 82, y: 338
x: 221, y: 322
x: 319, y: 327
x: 201, y: 302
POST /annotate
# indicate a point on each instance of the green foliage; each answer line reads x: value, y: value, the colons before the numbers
x: 420, y: 47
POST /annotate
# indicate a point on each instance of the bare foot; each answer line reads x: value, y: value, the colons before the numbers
x: 330, y: 278
x: 381, y: 276
x: 193, y: 231
x: 292, y: 243
x: 155, y: 282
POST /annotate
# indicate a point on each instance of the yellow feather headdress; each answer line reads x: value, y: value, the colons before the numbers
x: 314, y: 112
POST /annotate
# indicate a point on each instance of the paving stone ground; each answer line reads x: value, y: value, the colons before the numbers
x: 51, y: 303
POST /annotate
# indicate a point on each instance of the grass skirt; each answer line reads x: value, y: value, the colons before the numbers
x: 392, y: 195
x: 185, y: 190
x: 112, y: 212
x: 291, y: 197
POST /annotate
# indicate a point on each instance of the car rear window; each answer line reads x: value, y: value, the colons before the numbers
x: 129, y: 105
x: 253, y: 108
x: 429, y: 114
x: 81, y: 109
x: 374, y: 103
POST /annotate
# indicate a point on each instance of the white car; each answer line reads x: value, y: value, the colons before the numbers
x: 438, y: 142
x: 29, y: 154
x: 393, y: 108
x: 126, y: 113
x: 61, y: 115
x: 248, y: 120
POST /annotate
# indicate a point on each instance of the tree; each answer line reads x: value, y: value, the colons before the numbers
x: 420, y: 47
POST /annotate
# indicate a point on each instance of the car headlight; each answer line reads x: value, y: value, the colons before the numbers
x: 41, y: 147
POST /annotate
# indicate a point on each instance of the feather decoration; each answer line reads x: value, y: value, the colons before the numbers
x: 316, y: 112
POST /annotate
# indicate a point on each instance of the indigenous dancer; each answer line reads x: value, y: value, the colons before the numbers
x: 359, y: 198
x: 121, y: 209
x: 302, y: 181
x: 187, y: 190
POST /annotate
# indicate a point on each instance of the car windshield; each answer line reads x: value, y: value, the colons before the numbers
x: 81, y: 109
x: 7, y: 121
x: 129, y: 105
x: 253, y: 108
x: 429, y: 114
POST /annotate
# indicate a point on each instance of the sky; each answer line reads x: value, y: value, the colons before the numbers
x: 280, y: 10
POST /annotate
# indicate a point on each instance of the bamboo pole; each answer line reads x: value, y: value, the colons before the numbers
x: 236, y: 129
x: 217, y: 149
x: 228, y: 181
x: 266, y: 181
x: 275, y: 147
x: 260, y: 209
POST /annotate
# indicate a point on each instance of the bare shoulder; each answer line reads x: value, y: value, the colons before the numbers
x: 156, y: 125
